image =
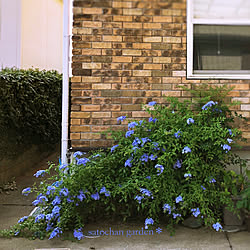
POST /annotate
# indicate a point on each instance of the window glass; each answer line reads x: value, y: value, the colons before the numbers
x: 221, y: 47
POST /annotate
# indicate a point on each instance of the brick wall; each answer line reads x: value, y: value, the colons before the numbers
x: 127, y: 53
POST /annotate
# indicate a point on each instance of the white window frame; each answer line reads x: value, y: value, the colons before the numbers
x: 208, y: 74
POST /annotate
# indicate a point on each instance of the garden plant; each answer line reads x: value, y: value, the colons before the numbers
x: 30, y: 109
x: 162, y: 169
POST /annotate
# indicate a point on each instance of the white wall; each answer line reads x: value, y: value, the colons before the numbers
x: 42, y: 34
x: 10, y: 28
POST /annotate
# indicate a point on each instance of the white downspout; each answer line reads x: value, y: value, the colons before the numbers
x: 65, y: 84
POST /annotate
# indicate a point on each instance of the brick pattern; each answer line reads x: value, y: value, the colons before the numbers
x: 127, y: 53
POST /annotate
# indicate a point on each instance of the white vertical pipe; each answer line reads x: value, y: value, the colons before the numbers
x: 65, y: 87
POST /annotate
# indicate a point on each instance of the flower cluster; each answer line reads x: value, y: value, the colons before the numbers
x: 195, y: 211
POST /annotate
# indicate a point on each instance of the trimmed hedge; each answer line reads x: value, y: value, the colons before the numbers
x: 30, y: 104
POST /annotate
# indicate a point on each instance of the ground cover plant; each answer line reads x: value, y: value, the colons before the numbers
x: 166, y: 168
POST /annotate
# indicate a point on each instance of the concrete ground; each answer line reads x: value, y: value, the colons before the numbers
x: 118, y: 236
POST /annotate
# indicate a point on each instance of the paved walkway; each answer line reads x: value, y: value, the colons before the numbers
x: 118, y: 235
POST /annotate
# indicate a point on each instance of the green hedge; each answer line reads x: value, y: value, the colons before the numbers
x: 30, y: 104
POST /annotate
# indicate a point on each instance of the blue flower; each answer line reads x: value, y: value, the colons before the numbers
x: 148, y: 221
x: 82, y: 161
x: 23, y: 219
x: 217, y: 226
x: 63, y: 167
x: 81, y: 196
x: 56, y: 201
x: 190, y: 120
x: 177, y: 134
x: 40, y: 173
x: 178, y: 199
x: 226, y: 147
x: 49, y: 217
x: 152, y: 157
x: 121, y: 118
x: 135, y: 149
x: 39, y: 217
x: 140, y: 122
x: 229, y: 140
x: 176, y: 215
x: 186, y: 150
x: 230, y: 131
x: 144, y: 157
x: 145, y: 192
x: 26, y: 191
x: 203, y: 187
x: 148, y: 177
x: 139, y: 198
x: 69, y: 200
x: 129, y: 133
x: 95, y: 196
x: 128, y: 162
x: 145, y: 140
x: 113, y: 148
x: 56, y: 210
x: 156, y: 146
x: 151, y: 119
x: 167, y: 207
x: 78, y: 234
x: 49, y: 227
x: 132, y: 124
x: 136, y: 142
x: 50, y: 190
x: 57, y: 183
x: 97, y: 155
x: 178, y: 164
x: 159, y: 168
x: 207, y: 105
x: 195, y: 211
x: 77, y: 153
x: 152, y: 103
x: 40, y: 199
x: 35, y: 202
x: 64, y: 191
x: 212, y: 180
x: 104, y: 190
x: 187, y: 175
x: 55, y: 233
x: 17, y: 232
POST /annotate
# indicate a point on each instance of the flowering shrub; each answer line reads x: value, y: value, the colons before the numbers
x: 171, y: 165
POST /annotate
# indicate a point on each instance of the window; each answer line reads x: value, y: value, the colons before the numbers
x: 218, y: 39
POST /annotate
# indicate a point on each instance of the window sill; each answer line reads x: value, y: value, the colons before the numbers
x: 219, y: 76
